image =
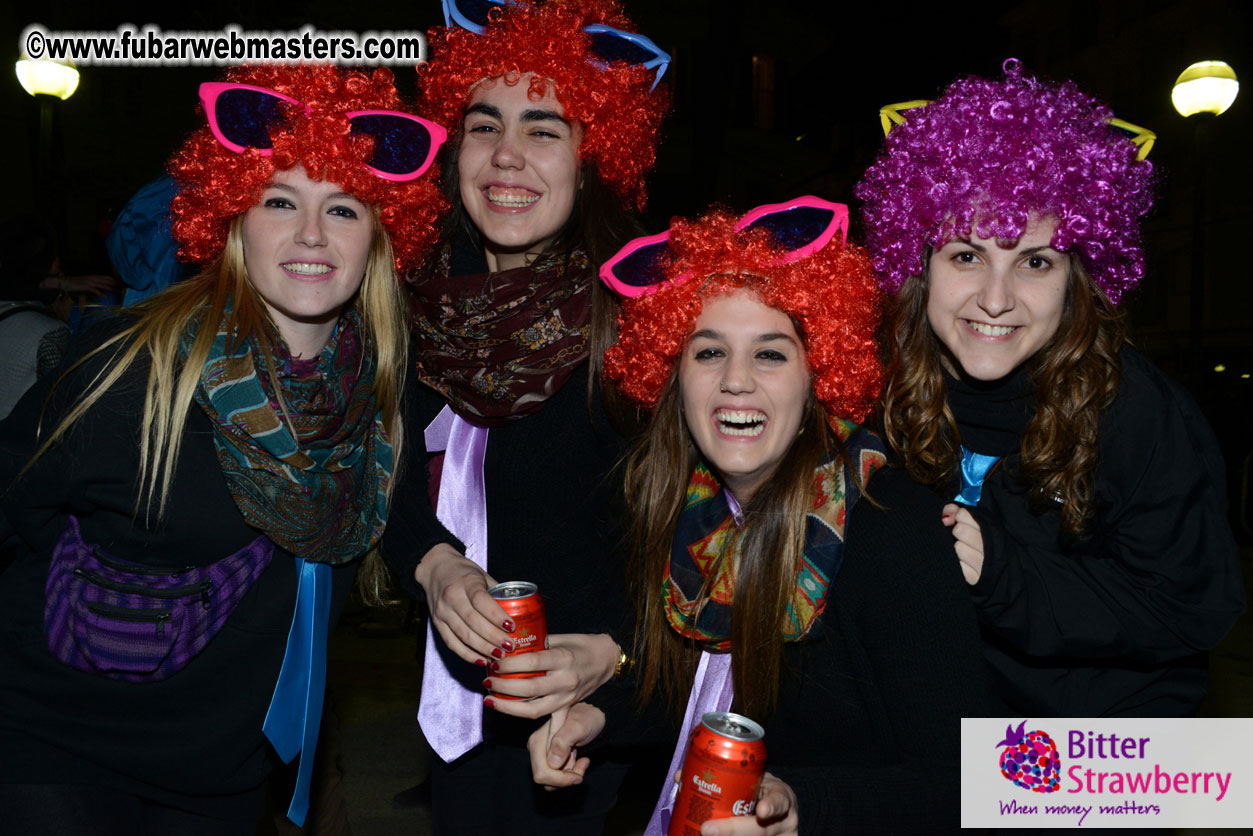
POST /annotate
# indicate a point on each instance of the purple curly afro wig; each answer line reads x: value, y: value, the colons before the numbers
x: 988, y: 155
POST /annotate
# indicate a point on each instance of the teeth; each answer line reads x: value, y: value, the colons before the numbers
x: 308, y: 269
x: 749, y: 423
x: 740, y: 416
x: 512, y: 197
x: 991, y: 330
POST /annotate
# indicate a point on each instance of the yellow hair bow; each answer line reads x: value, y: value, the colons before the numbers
x: 890, y: 115
x: 1142, y: 138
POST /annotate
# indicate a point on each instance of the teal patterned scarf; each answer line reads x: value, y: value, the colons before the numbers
x: 321, y: 493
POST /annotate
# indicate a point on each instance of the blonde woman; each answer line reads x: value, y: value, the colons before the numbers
x: 190, y: 496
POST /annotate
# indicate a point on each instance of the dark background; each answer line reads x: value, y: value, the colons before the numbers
x: 772, y: 100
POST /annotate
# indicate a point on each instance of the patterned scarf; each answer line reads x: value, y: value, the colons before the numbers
x: 705, y: 551
x: 322, y: 494
x: 498, y: 345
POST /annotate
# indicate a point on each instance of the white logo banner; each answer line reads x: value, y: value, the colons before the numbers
x: 1112, y: 772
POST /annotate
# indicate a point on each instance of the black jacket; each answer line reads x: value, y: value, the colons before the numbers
x: 192, y: 741
x: 869, y: 712
x: 1117, y: 622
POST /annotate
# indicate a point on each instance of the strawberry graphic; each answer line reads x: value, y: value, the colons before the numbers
x: 1030, y: 759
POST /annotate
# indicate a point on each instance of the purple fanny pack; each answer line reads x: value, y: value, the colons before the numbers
x: 134, y: 622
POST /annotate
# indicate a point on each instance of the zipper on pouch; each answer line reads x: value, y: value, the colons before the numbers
x: 202, y: 589
x: 136, y: 568
x: 156, y: 617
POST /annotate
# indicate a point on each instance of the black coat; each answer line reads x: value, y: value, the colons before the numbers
x: 869, y: 715
x: 192, y: 741
x: 1118, y: 622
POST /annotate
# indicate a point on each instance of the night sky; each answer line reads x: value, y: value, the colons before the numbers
x: 814, y: 131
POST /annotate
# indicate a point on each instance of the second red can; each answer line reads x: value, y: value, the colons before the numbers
x: 721, y: 772
x: 522, y: 601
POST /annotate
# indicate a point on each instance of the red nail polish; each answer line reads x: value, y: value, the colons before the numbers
x: 508, y: 625
x: 487, y: 683
x: 507, y: 644
x: 498, y: 653
x: 482, y: 662
x: 489, y: 702
x: 495, y: 666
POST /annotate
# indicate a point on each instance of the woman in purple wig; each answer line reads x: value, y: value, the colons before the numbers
x: 1089, y: 493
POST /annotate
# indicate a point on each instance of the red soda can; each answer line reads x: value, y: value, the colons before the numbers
x: 521, y: 600
x: 721, y: 772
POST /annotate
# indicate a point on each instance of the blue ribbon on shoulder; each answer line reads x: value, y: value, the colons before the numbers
x: 974, y: 470
x: 295, y: 712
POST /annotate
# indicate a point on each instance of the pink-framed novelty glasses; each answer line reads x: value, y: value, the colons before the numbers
x: 241, y: 116
x: 800, y: 228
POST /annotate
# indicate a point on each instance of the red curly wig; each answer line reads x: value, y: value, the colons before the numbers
x: 217, y: 184
x: 620, y: 116
x: 832, y: 294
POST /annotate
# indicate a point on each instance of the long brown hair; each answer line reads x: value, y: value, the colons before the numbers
x: 770, y: 546
x: 1074, y: 377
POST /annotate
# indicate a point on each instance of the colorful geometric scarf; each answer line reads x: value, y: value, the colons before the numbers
x: 699, y: 586
x: 498, y: 345
x: 322, y: 493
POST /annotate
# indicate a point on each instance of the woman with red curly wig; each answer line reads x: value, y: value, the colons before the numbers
x: 554, y: 112
x: 1090, y: 510
x: 780, y: 569
x: 190, y: 498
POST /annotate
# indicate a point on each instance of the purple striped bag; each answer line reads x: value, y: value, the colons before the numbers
x: 138, y: 623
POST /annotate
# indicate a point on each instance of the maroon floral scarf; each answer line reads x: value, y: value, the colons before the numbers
x: 498, y: 345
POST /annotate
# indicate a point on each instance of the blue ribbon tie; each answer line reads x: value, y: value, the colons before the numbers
x: 975, y: 467
x: 295, y: 712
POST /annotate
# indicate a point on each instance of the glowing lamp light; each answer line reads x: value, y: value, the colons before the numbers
x: 47, y: 77
x: 1205, y: 87
x: 1220, y: 368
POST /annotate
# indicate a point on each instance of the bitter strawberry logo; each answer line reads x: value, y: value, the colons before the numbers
x: 1030, y: 759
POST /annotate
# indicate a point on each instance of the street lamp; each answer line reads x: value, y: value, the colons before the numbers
x: 46, y: 80
x: 1205, y: 87
x: 1203, y: 90
x: 47, y: 77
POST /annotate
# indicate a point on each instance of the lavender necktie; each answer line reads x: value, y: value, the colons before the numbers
x: 712, y: 690
x: 450, y: 712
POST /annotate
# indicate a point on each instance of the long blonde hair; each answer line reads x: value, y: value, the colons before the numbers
x: 199, y: 304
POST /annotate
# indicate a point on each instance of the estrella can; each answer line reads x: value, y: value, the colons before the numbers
x: 522, y: 601
x: 721, y: 772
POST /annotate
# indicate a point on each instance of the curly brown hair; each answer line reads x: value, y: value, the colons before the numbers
x: 1075, y: 377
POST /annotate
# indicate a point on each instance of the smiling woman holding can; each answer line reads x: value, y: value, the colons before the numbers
x: 781, y: 570
x: 554, y: 111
